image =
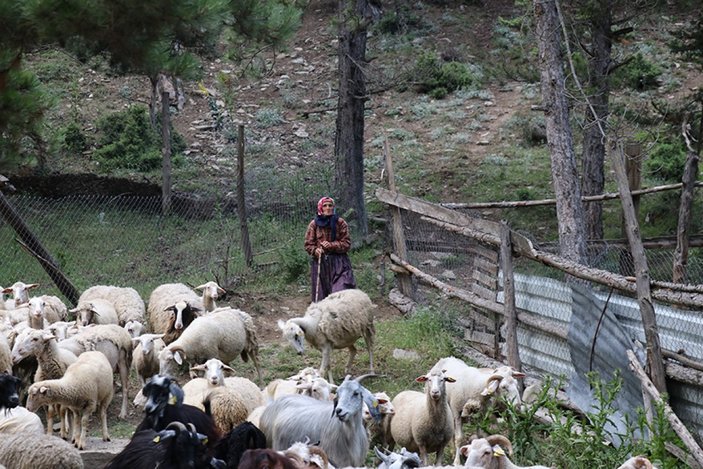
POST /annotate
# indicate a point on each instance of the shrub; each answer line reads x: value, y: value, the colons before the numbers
x: 666, y: 161
x: 639, y: 74
x: 438, y: 78
x: 294, y: 261
x: 74, y: 140
x: 129, y: 141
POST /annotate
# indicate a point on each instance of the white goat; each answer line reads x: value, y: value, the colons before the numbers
x: 334, y: 323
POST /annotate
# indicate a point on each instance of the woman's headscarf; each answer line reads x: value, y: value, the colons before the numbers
x: 327, y: 221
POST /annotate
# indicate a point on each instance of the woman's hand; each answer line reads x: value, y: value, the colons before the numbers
x: 326, y: 245
x: 319, y: 252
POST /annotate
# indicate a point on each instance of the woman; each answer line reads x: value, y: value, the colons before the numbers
x: 327, y: 241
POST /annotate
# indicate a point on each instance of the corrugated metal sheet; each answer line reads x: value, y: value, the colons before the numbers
x: 553, y: 299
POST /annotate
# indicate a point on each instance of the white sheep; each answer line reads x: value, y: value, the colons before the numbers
x: 224, y: 334
x: 172, y: 307
x: 145, y: 357
x: 489, y: 453
x: 472, y: 389
x: 5, y: 355
x: 230, y: 405
x: 53, y: 308
x: 334, y: 323
x: 283, y: 387
x: 52, y: 360
x: 379, y: 430
x: 211, y: 291
x: 95, y: 311
x: 196, y: 390
x: 29, y: 451
x: 423, y: 421
x: 20, y: 420
x: 45, y: 310
x: 126, y: 301
x: 134, y: 328
x: 63, y: 329
x: 115, y: 343
x: 84, y: 388
x: 637, y: 462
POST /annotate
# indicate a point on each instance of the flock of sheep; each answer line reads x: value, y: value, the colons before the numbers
x: 216, y: 419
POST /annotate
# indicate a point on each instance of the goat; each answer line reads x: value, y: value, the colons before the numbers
x: 9, y: 391
x: 232, y: 446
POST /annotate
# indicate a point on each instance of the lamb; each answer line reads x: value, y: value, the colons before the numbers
x: 282, y: 387
x: 172, y: 307
x: 84, y: 388
x: 126, y: 301
x: 337, y: 425
x: 334, y: 323
x: 62, y: 329
x: 134, y: 328
x: 222, y: 334
x: 423, y: 421
x: 145, y: 357
x: 53, y: 308
x: 114, y: 342
x: 52, y: 360
x: 29, y: 451
x: 197, y: 389
x: 472, y: 390
x: 95, y: 311
x: 241, y: 438
x: 488, y: 453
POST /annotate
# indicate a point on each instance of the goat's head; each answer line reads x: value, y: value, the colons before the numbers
x: 294, y: 334
x: 160, y: 391
x: 435, y: 383
x: 503, y: 383
x: 350, y: 397
x: 186, y: 447
x: 403, y: 460
x: 214, y: 371
x: 9, y: 391
x: 481, y: 451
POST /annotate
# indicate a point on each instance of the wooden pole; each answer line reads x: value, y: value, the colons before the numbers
x: 241, y: 202
x: 632, y: 167
x: 405, y: 283
x: 34, y: 246
x: 506, y: 260
x: 655, y: 360
x: 676, y: 424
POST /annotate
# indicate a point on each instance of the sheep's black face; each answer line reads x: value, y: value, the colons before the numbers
x: 9, y: 386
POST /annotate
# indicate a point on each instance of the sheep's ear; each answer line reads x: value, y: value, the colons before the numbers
x: 421, y: 379
x: 7, y: 290
x: 464, y: 450
x: 31, y: 286
x: 135, y: 341
x: 177, y: 358
x: 518, y: 374
x: 281, y: 325
x: 228, y: 369
x: 382, y: 400
x: 47, y: 336
x: 449, y: 379
x: 44, y: 390
x: 197, y: 368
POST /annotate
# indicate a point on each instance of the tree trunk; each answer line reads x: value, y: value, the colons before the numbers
x: 570, y: 214
x: 154, y: 80
x: 593, y: 177
x: 349, y: 138
x: 166, y: 153
x: 690, y: 175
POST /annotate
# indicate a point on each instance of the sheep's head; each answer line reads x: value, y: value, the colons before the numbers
x: 85, y: 312
x: 30, y: 342
x: 318, y: 388
x: 211, y: 289
x: 182, y: 314
x: 134, y: 328
x: 637, y: 462
x: 146, y: 341
x: 36, y: 307
x: 19, y: 291
x: 294, y: 334
x: 214, y: 371
x: 350, y: 397
x: 385, y: 407
x: 61, y: 329
x: 435, y: 386
x: 169, y: 357
x: 37, y: 396
x: 503, y: 383
x: 480, y: 452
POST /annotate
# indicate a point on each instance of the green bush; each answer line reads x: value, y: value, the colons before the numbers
x: 438, y: 78
x: 74, y: 140
x: 639, y: 74
x: 294, y: 261
x: 666, y: 161
x: 127, y: 140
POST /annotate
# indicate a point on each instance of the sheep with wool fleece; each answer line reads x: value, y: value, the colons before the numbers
x: 472, y: 389
x: 229, y: 406
x: 145, y: 356
x: 283, y: 387
x: 52, y: 364
x: 338, y: 425
x: 20, y: 420
x: 95, y: 311
x: 43, y: 312
x: 490, y: 453
x: 84, y: 388
x: 637, y: 462
x: 134, y: 328
x: 196, y: 390
x: 30, y: 451
x: 115, y: 343
x: 126, y: 301
x: 336, y: 322
x: 53, y: 309
x: 223, y: 334
x: 5, y: 355
x: 63, y: 329
x: 171, y: 309
x: 423, y: 420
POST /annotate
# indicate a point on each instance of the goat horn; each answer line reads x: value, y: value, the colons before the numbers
x: 383, y: 457
x: 495, y: 377
x: 179, y: 425
x: 367, y: 375
x: 501, y: 440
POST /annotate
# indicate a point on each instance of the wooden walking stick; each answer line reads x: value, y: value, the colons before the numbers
x: 317, y: 283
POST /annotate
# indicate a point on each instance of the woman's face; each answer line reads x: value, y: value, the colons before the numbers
x: 327, y: 208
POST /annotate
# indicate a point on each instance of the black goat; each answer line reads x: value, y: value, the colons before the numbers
x: 232, y: 446
x: 9, y: 391
x: 176, y: 447
x: 164, y: 404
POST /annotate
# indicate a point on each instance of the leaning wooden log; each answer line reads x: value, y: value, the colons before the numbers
x: 676, y: 424
x: 681, y: 455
